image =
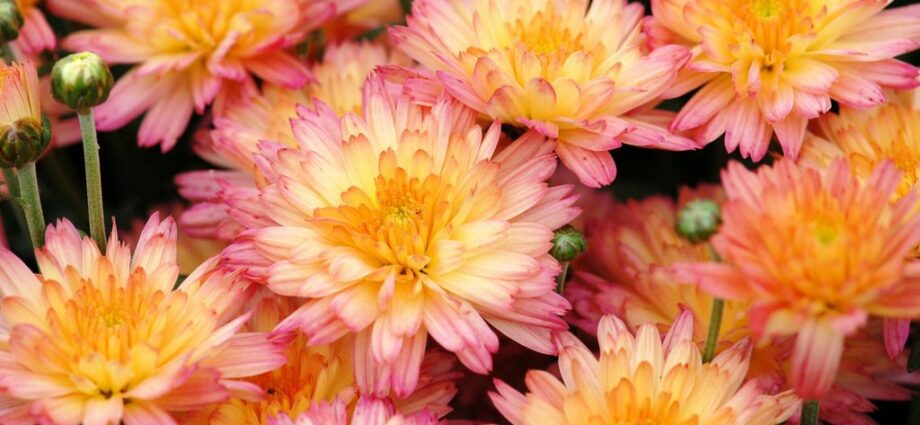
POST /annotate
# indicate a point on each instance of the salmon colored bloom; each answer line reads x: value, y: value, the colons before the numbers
x: 867, y: 137
x: 267, y: 116
x: 369, y: 411
x: 322, y: 375
x: 363, y: 16
x: 640, y: 379
x: 101, y: 339
x: 626, y: 272
x: 36, y: 35
x: 188, y: 53
x: 573, y: 72
x: 768, y: 66
x: 817, y: 251
x: 403, y: 222
x: 19, y: 90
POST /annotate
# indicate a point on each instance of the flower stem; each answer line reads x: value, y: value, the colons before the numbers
x: 715, y: 317
x: 560, y: 280
x: 93, y: 177
x: 715, y: 324
x: 810, y: 413
x: 31, y: 204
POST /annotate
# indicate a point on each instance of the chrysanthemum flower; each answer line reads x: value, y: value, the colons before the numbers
x: 316, y: 377
x: 368, y: 411
x: 768, y: 66
x: 364, y: 16
x: 626, y: 270
x: 817, y: 251
x: 640, y: 379
x: 187, y: 53
x: 867, y: 137
x: 571, y: 71
x: 404, y: 222
x: 35, y: 35
x: 101, y: 339
x: 19, y: 89
x: 267, y: 116
x: 190, y: 252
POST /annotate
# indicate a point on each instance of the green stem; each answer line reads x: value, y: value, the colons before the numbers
x: 810, y: 413
x: 560, y: 280
x: 7, y: 54
x: 715, y: 324
x: 93, y: 178
x: 32, y: 204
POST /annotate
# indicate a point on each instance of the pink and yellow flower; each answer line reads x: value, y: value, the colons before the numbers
x: 626, y: 272
x: 363, y: 16
x: 768, y: 66
x: 188, y: 53
x: 36, y: 35
x: 219, y: 194
x: 19, y: 90
x: 315, y: 377
x: 101, y: 339
x: 817, y: 251
x: 404, y: 222
x: 867, y: 137
x: 640, y: 379
x: 369, y: 411
x: 573, y: 72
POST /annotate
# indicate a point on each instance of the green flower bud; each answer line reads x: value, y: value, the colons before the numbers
x: 568, y: 243
x: 81, y: 81
x: 10, y: 21
x: 23, y: 142
x: 698, y: 220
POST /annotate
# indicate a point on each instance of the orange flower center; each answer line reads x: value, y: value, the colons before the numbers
x: 310, y: 375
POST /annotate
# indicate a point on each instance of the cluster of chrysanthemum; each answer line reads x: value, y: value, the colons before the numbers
x: 383, y: 209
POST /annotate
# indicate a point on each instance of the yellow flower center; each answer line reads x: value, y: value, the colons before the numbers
x: 113, y: 316
x: 312, y: 374
x: 767, y: 9
x: 544, y: 36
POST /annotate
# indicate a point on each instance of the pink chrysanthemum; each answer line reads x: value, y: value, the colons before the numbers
x: 187, y: 53
x: 768, y: 66
x: 626, y: 272
x: 314, y: 378
x: 36, y: 35
x: 101, y: 339
x: 368, y: 411
x: 640, y: 379
x: 219, y: 195
x: 404, y: 222
x: 817, y: 251
x: 573, y: 72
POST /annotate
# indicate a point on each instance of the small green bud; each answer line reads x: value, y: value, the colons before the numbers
x: 10, y: 21
x: 81, y: 81
x: 698, y: 220
x: 23, y: 142
x: 568, y: 244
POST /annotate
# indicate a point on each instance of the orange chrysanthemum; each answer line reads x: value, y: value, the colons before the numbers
x: 867, y: 137
x: 639, y: 379
x: 573, y: 70
x: 225, y: 199
x: 186, y: 53
x: 817, y: 251
x: 100, y: 339
x: 404, y: 222
x: 315, y: 377
x: 768, y: 66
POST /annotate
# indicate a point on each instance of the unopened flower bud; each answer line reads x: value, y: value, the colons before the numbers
x: 568, y: 243
x: 81, y: 81
x: 23, y: 132
x: 10, y: 21
x: 22, y: 143
x: 698, y: 220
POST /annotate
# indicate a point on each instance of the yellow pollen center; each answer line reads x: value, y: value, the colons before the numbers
x: 767, y: 9
x: 826, y: 234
